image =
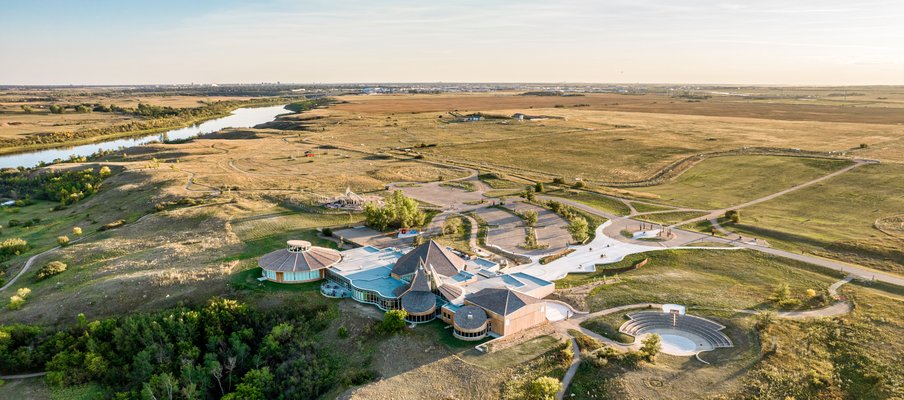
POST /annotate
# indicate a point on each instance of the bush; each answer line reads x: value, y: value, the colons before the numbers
x: 538, y: 187
x: 543, y: 388
x: 733, y: 216
x: 51, y: 269
x: 342, y: 332
x: 580, y: 184
x: 328, y: 232
x: 530, y: 217
x: 558, y: 181
x: 13, y: 247
x: 652, y: 344
x: 63, y: 240
x: 77, y: 231
x: 23, y: 292
x: 393, y: 322
x: 15, y: 302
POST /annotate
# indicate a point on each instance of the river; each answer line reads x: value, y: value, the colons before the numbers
x: 240, y: 118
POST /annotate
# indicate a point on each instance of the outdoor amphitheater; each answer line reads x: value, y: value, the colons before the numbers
x: 682, y: 334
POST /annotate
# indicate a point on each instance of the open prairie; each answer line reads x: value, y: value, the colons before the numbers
x: 605, y: 146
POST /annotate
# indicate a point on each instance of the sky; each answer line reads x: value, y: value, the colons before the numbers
x: 799, y: 42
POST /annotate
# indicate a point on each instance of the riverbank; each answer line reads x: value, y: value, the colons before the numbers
x: 103, y: 137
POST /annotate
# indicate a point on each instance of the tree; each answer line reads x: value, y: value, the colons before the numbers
x: 76, y: 231
x: 452, y: 226
x: 530, y: 217
x: 538, y: 187
x: 580, y: 184
x: 56, y: 109
x: 651, y: 346
x: 530, y: 239
x: 257, y: 384
x: 528, y: 194
x: 579, y: 229
x: 781, y: 293
x: 393, y: 322
x: 733, y: 216
x: 399, y: 211
x: 63, y: 240
x: 543, y: 388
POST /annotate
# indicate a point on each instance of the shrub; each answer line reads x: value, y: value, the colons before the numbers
x: 13, y: 247
x: 558, y: 181
x: 63, y: 240
x: 543, y: 388
x: 51, y: 269
x: 538, y: 187
x: 328, y: 232
x: 104, y: 171
x: 77, y: 231
x: 579, y: 184
x: 342, y: 332
x: 733, y: 216
x: 393, y: 322
x: 652, y: 344
x: 23, y: 292
x: 15, y: 302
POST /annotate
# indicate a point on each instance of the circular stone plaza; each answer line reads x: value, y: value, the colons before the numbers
x: 682, y: 334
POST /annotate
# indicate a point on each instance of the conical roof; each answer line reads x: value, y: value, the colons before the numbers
x: 312, y: 258
x: 432, y: 254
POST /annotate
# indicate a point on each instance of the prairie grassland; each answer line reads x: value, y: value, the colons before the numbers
x: 601, y: 146
x: 870, y: 110
x: 721, y: 182
x: 837, y: 218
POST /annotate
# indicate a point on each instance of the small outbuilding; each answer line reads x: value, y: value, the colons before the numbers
x: 298, y: 262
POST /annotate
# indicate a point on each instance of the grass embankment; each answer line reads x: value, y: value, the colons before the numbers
x: 721, y: 182
x: 670, y: 218
x: 600, y: 202
x: 837, y: 218
x: 730, y: 279
x: 647, y: 207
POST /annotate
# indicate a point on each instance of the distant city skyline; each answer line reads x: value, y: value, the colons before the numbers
x: 623, y: 41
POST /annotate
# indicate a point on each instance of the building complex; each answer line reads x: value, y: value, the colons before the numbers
x: 428, y: 281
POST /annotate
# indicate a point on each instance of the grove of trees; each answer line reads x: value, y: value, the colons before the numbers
x: 223, y: 349
x: 398, y: 211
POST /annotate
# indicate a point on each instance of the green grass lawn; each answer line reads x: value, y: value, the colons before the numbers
x: 497, y: 181
x: 737, y: 279
x: 607, y: 325
x: 671, y: 217
x: 646, y: 207
x: 37, y: 389
x: 594, y: 200
x: 722, y: 182
x: 835, y: 218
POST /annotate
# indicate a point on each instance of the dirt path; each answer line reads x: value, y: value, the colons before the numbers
x: 572, y: 369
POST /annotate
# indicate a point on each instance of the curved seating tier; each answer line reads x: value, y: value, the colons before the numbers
x: 645, y: 321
